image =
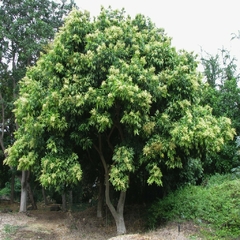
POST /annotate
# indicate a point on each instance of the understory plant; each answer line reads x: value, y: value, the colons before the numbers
x: 215, y: 206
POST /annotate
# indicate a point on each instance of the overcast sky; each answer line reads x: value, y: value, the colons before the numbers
x: 192, y: 24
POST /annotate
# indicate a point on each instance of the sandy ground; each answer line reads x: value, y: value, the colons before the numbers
x: 46, y: 224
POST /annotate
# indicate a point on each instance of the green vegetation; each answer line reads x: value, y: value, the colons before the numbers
x: 223, y: 95
x: 9, y: 230
x: 110, y: 101
x: 214, y: 206
x: 112, y: 94
x: 6, y: 191
x: 33, y: 24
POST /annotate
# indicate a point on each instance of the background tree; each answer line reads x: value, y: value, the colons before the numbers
x: 26, y: 26
x: 114, y: 87
x: 220, y: 72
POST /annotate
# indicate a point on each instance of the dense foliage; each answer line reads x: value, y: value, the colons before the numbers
x: 115, y: 92
x: 214, y: 205
x: 223, y: 95
x: 26, y: 26
x: 125, y: 78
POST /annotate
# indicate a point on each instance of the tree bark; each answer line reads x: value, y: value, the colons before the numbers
x: 2, y: 124
x: 33, y: 203
x: 120, y: 223
x: 100, y: 199
x: 23, y: 201
x: 70, y: 199
x: 116, y: 213
x: 30, y: 193
x: 44, y: 196
x: 12, y: 187
x: 64, y: 202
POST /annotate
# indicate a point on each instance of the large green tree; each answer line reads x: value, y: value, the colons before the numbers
x: 25, y: 27
x: 114, y: 87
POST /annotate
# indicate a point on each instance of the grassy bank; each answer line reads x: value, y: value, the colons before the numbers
x: 215, y: 206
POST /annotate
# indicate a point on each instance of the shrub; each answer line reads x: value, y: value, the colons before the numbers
x: 7, y: 189
x: 216, y: 204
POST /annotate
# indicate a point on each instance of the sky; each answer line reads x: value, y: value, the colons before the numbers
x: 192, y: 24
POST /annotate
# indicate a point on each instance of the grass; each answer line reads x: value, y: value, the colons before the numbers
x: 215, y: 207
x: 9, y: 230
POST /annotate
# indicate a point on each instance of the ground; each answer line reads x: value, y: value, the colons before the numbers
x: 58, y: 225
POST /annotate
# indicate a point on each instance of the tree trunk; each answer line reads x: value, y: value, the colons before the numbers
x: 33, y: 203
x: 30, y: 193
x: 44, y: 196
x: 121, y: 228
x: 23, y: 201
x: 70, y: 199
x: 64, y: 202
x: 117, y: 213
x: 100, y: 199
x: 12, y: 187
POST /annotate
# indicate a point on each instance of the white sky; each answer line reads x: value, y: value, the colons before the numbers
x: 192, y: 24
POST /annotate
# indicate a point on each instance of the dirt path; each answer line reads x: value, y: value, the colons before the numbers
x: 43, y: 224
x: 20, y: 226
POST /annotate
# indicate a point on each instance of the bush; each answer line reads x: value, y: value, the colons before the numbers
x: 216, y: 204
x: 6, y: 191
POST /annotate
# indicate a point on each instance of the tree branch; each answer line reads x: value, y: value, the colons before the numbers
x: 121, y: 202
x: 118, y: 125
x: 108, y: 138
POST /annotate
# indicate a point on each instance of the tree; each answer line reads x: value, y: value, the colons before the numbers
x: 114, y: 87
x: 223, y: 95
x: 26, y: 26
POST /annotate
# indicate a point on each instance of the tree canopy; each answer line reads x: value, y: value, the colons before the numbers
x: 222, y: 95
x: 25, y: 27
x: 114, y: 87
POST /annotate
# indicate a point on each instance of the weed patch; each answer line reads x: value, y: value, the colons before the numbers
x: 214, y: 206
x: 9, y: 230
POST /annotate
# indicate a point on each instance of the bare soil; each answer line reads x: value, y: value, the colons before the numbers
x: 58, y: 225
